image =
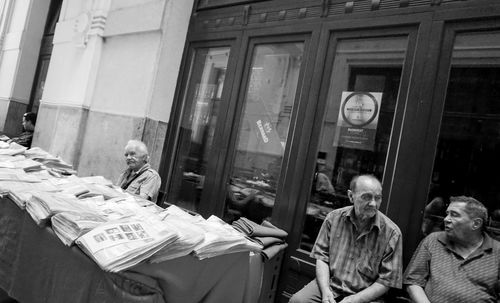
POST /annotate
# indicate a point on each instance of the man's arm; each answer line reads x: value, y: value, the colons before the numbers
x: 150, y: 186
x: 368, y: 294
x: 417, y: 294
x: 323, y: 279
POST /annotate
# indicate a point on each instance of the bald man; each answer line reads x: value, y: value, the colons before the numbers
x: 139, y: 178
x: 358, y: 251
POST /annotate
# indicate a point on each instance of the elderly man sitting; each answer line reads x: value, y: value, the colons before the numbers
x: 139, y: 178
x: 358, y: 250
x: 460, y: 264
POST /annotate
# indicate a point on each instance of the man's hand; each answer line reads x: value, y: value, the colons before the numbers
x: 327, y: 297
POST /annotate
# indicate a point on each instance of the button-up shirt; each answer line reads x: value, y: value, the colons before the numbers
x: 358, y: 258
x: 145, y: 181
x: 448, y: 277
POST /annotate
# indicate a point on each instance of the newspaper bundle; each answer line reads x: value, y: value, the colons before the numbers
x: 116, y: 246
x: 221, y: 238
x: 68, y: 226
x: 42, y: 205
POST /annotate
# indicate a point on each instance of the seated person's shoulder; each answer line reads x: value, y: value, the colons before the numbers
x: 433, y: 238
x: 388, y: 224
x: 340, y: 211
x: 495, y: 243
x: 153, y: 173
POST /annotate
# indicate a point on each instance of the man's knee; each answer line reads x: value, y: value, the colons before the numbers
x: 297, y: 298
x: 309, y: 293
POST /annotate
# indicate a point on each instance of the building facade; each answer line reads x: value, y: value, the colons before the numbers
x: 280, y: 103
x: 266, y: 109
x: 106, y: 74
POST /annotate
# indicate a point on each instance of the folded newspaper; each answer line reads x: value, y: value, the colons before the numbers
x: 190, y: 235
x: 68, y: 226
x: 21, y: 192
x: 221, y: 238
x: 116, y: 246
x: 12, y: 150
x: 42, y: 205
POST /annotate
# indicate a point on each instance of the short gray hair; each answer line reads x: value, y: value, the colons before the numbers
x: 473, y: 207
x: 354, y: 181
x: 140, y: 146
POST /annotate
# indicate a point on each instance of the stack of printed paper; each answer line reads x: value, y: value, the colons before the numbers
x: 190, y: 235
x: 17, y: 174
x: 96, y: 180
x: 221, y: 238
x: 20, y: 192
x: 116, y: 246
x: 12, y: 150
x: 102, y: 190
x: 68, y: 226
x: 55, y: 164
x: 42, y: 205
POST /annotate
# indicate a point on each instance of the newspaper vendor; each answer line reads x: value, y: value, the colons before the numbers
x: 139, y: 178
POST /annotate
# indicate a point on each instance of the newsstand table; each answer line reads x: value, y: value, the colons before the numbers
x: 36, y: 267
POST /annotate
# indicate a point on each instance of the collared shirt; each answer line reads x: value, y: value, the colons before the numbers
x: 24, y: 139
x: 145, y: 181
x: 356, y: 258
x: 447, y: 277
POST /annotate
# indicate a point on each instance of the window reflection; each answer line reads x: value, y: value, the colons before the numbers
x: 349, y: 148
x: 349, y: 162
x: 202, y: 103
x: 466, y: 161
x: 263, y: 131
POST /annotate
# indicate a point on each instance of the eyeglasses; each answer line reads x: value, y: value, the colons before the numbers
x: 368, y: 197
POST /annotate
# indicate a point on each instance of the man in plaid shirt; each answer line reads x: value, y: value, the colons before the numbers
x: 358, y: 251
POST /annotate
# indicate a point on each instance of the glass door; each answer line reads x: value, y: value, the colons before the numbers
x: 361, y: 102
x: 468, y: 144
x: 357, y: 123
x: 205, y: 95
x: 264, y: 126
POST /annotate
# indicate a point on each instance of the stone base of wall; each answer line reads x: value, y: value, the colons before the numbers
x: 94, y: 141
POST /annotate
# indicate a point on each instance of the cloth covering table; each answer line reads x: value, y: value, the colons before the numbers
x: 35, y: 266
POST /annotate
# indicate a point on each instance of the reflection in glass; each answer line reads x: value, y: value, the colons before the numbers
x: 354, y: 85
x: 466, y: 161
x: 202, y: 103
x: 263, y: 131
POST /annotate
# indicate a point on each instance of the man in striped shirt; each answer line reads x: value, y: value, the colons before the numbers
x: 459, y: 264
x: 358, y: 251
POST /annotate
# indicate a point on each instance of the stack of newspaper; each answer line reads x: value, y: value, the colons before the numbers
x: 43, y: 205
x: 221, y: 238
x: 116, y: 229
x: 17, y: 174
x: 68, y: 226
x: 21, y: 192
x: 116, y: 246
x: 12, y: 150
x: 218, y: 237
x: 190, y: 235
x: 55, y: 164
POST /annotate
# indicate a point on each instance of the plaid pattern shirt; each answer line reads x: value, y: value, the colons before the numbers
x: 145, y: 181
x: 358, y: 258
x: 448, y: 278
